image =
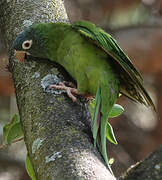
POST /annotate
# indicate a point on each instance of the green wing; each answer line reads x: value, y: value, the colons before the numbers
x: 131, y: 82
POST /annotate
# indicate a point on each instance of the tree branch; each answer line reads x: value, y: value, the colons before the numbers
x: 56, y: 130
x: 150, y: 168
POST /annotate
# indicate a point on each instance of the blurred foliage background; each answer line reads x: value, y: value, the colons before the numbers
x: 137, y: 26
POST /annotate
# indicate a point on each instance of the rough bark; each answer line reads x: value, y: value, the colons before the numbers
x: 57, y: 131
x: 150, y: 168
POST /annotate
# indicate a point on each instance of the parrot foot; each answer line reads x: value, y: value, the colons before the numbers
x: 69, y: 90
x: 69, y: 84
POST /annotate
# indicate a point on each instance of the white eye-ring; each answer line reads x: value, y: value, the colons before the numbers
x: 27, y: 44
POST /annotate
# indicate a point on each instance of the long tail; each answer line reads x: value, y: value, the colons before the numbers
x: 100, y: 122
x: 103, y: 140
x: 97, y: 115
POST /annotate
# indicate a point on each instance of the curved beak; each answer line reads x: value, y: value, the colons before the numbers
x: 20, y: 55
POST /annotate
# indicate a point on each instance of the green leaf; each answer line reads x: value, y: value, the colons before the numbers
x: 7, y: 127
x: 110, y: 134
x: 120, y: 94
x: 15, y: 132
x: 111, y: 161
x: 29, y: 168
x: 116, y: 110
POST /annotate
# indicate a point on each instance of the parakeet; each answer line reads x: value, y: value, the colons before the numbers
x: 94, y: 59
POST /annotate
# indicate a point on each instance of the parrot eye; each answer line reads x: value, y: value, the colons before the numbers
x: 27, y: 44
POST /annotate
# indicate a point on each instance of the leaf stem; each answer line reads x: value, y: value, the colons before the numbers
x: 15, y: 141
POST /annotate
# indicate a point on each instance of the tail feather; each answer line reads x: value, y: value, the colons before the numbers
x: 100, y: 121
x: 103, y: 126
x: 97, y: 115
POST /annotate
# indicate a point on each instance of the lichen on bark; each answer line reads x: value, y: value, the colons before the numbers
x: 56, y: 130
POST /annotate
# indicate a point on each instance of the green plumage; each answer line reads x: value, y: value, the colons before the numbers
x: 93, y: 58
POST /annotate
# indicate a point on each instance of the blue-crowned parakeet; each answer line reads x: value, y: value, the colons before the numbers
x: 94, y: 59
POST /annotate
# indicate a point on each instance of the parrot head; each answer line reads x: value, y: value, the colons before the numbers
x: 29, y: 42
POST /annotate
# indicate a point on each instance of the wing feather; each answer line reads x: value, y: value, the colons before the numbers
x: 129, y: 74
